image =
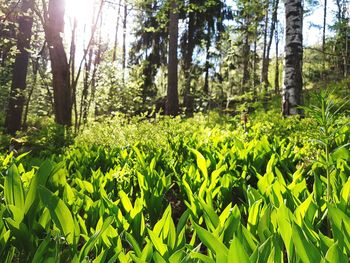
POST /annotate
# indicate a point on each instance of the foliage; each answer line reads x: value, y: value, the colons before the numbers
x: 172, y: 190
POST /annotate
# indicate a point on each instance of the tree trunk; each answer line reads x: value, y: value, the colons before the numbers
x: 277, y: 68
x: 324, y: 38
x: 172, y: 106
x: 255, y: 79
x: 188, y: 100
x: 266, y: 59
x: 72, y: 73
x: 54, y: 28
x: 14, y: 111
x: 246, y: 55
x: 124, y: 38
x: 293, y: 82
x: 207, y: 62
x: 35, y: 68
x: 115, y: 47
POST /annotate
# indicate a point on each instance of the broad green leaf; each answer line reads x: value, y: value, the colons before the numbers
x: 345, y: 193
x: 203, y: 258
x: 158, y: 258
x: 182, y: 221
x: 42, y: 249
x: 157, y: 242
x: 135, y: 246
x: 302, y: 209
x: 335, y: 255
x: 210, y: 212
x: 237, y: 252
x: 338, y: 217
x: 59, y: 212
x: 304, y: 249
x: 13, y: 188
x: 225, y: 214
x: 284, y: 219
x: 125, y: 201
x: 40, y: 178
x: 94, y: 238
x: 213, y: 243
x: 254, y: 215
x: 201, y: 162
x: 147, y: 251
x: 177, y: 257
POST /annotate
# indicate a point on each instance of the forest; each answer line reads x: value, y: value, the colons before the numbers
x: 174, y: 131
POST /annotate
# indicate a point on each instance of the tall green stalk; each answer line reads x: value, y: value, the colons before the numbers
x: 326, y: 116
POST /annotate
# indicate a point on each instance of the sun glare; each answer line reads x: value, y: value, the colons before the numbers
x: 81, y: 10
x: 84, y: 12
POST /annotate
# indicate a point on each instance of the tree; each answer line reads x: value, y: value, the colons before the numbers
x: 20, y: 68
x: 187, y: 51
x: 54, y: 27
x: 150, y: 48
x: 172, y: 105
x: 268, y: 43
x: 341, y: 38
x: 293, y: 82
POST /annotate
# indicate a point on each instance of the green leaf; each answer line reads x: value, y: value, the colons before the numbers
x: 254, y: 215
x: 158, y: 258
x: 13, y: 188
x: 135, y: 246
x: 94, y: 238
x: 59, y: 213
x: 40, y: 178
x: 213, y: 243
x: 210, y: 212
x: 203, y: 258
x: 284, y: 218
x: 237, y: 252
x: 201, y: 162
x: 42, y: 249
x: 125, y: 201
x: 335, y: 255
x: 147, y: 251
x: 177, y: 257
x: 157, y: 242
x: 182, y: 221
x: 304, y: 249
x: 341, y: 153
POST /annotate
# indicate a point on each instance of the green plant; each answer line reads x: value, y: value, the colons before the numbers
x: 326, y: 113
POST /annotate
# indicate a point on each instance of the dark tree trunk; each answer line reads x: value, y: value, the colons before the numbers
x: 72, y: 74
x: 293, y: 81
x: 246, y: 55
x: 54, y: 28
x: 266, y: 58
x: 172, y: 106
x: 14, y: 111
x: 255, y: 79
x: 207, y: 62
x: 35, y: 68
x: 188, y: 100
x: 277, y: 68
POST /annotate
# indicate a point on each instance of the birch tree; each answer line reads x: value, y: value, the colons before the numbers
x: 293, y: 81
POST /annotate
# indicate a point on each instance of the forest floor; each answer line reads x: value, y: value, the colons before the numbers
x: 204, y: 189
